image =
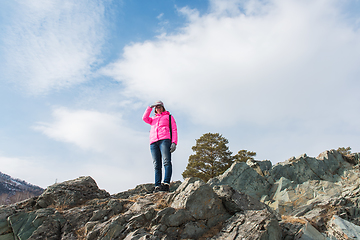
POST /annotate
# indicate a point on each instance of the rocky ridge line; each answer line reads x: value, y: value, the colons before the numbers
x: 301, y: 198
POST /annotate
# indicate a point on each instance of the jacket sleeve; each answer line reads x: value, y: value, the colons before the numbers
x: 174, y: 130
x: 146, y: 117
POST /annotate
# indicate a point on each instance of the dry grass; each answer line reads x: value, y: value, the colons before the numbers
x: 80, y: 233
x: 60, y: 208
x: 160, y: 201
x: 161, y: 204
x: 291, y: 219
x: 157, y: 199
x: 134, y: 198
x: 97, y: 201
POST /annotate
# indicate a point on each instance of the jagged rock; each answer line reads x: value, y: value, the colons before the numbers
x: 235, y: 201
x: 243, y: 178
x: 308, y: 232
x: 110, y: 229
x: 103, y: 210
x: 177, y: 218
x: 342, y: 229
x: 27, y: 222
x: 42, y: 223
x: 201, y: 210
x: 199, y: 199
x: 139, y: 234
x: 352, y: 158
x: 285, y: 193
x: 5, y: 212
x: 5, y: 228
x: 5, y: 231
x: 328, y: 166
x: 162, y: 214
x: 314, y: 199
x: 71, y: 193
x: 142, y: 204
x: 252, y: 224
x: 261, y: 167
x: 194, y: 230
x: 264, y: 165
x: 287, y: 196
x: 290, y: 229
x: 280, y: 185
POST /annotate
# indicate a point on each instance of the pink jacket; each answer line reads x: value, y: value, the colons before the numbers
x: 160, y: 126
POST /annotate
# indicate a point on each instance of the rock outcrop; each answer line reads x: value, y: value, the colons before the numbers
x: 245, y: 178
x: 314, y: 196
x: 77, y: 209
x: 301, y: 198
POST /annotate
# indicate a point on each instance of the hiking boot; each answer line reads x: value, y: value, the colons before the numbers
x: 157, y: 189
x: 165, y: 187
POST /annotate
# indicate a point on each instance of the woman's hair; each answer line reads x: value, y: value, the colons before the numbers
x: 162, y: 108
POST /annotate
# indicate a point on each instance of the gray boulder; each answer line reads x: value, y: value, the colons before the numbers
x: 261, y: 167
x: 177, y: 218
x: 138, y: 234
x: 235, y: 201
x: 71, y: 193
x: 39, y: 224
x: 194, y: 230
x: 251, y: 224
x: 286, y: 196
x: 243, y: 178
x: 342, y: 229
x: 199, y: 199
x: 290, y: 229
x: 308, y: 232
x: 110, y: 229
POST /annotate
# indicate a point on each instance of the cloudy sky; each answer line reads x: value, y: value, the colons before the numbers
x: 278, y: 77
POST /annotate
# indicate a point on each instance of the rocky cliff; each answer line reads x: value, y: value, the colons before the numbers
x: 301, y: 198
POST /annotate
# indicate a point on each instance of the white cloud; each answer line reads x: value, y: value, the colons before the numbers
x: 160, y: 16
x: 269, y: 63
x: 121, y: 157
x: 94, y: 131
x: 52, y: 44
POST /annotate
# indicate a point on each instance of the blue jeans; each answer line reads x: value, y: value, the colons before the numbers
x: 160, y: 150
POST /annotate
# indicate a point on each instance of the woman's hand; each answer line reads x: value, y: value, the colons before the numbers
x: 172, y: 147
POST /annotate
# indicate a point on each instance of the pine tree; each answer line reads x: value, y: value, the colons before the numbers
x: 244, y: 155
x: 344, y: 151
x: 212, y: 157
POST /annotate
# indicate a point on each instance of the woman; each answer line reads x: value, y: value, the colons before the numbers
x: 162, y: 143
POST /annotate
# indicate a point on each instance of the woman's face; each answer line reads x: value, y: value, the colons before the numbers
x: 159, y: 109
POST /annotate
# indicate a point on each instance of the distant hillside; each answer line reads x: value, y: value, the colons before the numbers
x: 14, y: 190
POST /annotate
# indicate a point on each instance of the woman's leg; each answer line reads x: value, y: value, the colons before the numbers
x: 156, y: 155
x: 166, y: 156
